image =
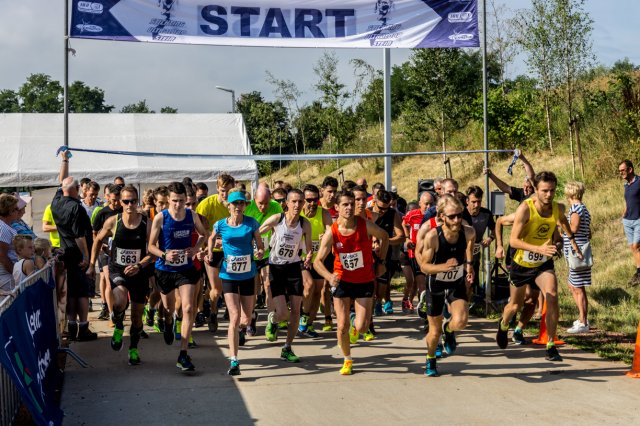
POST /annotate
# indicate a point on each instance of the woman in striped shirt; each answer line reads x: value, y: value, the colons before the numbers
x: 580, y: 220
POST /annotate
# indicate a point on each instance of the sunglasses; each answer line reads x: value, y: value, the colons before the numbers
x: 312, y: 200
x: 281, y: 200
x: 382, y: 209
x: 454, y: 216
x: 127, y: 202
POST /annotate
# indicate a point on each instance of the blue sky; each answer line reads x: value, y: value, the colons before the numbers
x: 31, y: 41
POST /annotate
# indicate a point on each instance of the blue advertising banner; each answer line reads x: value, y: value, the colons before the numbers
x: 28, y: 349
x: 281, y: 23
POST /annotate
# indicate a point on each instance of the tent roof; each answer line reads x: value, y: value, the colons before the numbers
x: 29, y: 143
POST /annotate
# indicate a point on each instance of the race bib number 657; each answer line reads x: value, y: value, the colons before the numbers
x: 352, y: 261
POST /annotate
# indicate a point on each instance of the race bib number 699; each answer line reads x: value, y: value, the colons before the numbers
x: 532, y: 257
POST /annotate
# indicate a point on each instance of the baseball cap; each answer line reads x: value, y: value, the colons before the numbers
x: 236, y: 196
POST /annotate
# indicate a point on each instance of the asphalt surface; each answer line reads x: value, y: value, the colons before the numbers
x: 480, y: 384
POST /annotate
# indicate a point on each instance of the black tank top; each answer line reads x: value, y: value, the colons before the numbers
x: 446, y: 251
x: 129, y: 246
x: 387, y: 221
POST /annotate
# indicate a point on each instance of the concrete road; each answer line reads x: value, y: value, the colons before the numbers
x: 480, y: 384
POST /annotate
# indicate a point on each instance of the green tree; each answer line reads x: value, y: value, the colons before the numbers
x: 168, y: 110
x: 140, y: 107
x: 83, y: 98
x: 9, y: 101
x: 40, y: 94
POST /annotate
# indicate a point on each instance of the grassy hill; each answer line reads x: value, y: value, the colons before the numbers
x: 613, y: 306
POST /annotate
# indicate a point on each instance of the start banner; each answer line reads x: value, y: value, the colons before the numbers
x: 281, y: 23
x: 29, y: 348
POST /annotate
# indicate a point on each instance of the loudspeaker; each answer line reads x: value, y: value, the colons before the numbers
x: 425, y: 185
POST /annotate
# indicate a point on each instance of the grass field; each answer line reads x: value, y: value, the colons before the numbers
x: 613, y: 305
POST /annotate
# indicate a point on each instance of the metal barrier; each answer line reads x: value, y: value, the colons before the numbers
x: 10, y: 400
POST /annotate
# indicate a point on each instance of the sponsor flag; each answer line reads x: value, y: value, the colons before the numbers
x: 29, y: 348
x: 281, y: 23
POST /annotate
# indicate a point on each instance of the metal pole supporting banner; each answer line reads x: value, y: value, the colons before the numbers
x: 485, y: 135
x: 65, y: 99
x: 387, y: 117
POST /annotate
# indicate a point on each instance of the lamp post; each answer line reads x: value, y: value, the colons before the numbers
x: 233, y: 97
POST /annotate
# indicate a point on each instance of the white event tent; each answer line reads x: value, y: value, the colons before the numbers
x: 29, y: 142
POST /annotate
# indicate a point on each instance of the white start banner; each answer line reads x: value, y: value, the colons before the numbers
x: 279, y: 23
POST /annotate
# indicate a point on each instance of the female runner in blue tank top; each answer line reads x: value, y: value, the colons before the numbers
x: 238, y: 232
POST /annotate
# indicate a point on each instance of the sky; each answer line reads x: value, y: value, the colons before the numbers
x: 184, y: 77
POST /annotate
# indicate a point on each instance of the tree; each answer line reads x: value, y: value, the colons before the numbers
x: 499, y: 38
x: 288, y: 94
x: 168, y: 110
x: 40, y: 94
x: 9, y: 101
x: 534, y: 35
x: 140, y: 107
x: 83, y: 98
x: 572, y: 30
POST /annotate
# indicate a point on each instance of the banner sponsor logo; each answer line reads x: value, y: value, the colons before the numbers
x: 89, y: 28
x: 457, y: 17
x: 90, y: 7
x: 461, y: 37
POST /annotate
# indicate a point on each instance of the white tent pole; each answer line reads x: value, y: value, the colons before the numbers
x: 387, y: 117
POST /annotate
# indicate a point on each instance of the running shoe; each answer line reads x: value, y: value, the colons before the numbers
x: 422, y: 305
x: 578, y: 328
x: 328, y: 325
x: 347, y: 368
x: 145, y: 314
x: 552, y: 354
x: 412, y: 308
x: 116, y: 339
x: 449, y: 338
x: 431, y: 370
x: 254, y: 321
x: 368, y: 336
x: 303, y: 324
x: 184, y: 363
x: 283, y: 325
x: 518, y: 337
x: 104, y: 312
x: 353, y: 332
x: 234, y: 368
x: 168, y: 335
x: 242, y: 338
x: 271, y: 330
x: 405, y: 306
x: 177, y: 328
x: 251, y: 331
x: 388, y: 307
x: 143, y: 334
x: 439, y: 350
x: 213, y: 322
x: 288, y: 355
x: 206, y: 308
x: 311, y: 332
x: 377, y: 310
x: 149, y: 320
x: 502, y: 338
x: 134, y: 356
x: 192, y: 343
x: 200, y: 320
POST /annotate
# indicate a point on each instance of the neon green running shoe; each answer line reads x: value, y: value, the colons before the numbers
x: 116, y: 339
x: 368, y: 336
x: 134, y: 356
x: 328, y: 325
x: 271, y: 331
x: 288, y: 355
x: 283, y: 325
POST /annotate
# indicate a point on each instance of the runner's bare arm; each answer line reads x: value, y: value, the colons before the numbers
x: 269, y: 224
x: 64, y: 166
x: 500, y: 223
x: 104, y: 233
x: 470, y: 235
x: 257, y: 237
x: 154, y: 236
x: 306, y: 228
x: 398, y: 233
x: 380, y: 234
x: 520, y: 219
x: 528, y: 168
x: 202, y: 231
x: 325, y: 248
x: 422, y: 233
x: 326, y: 220
x: 429, y: 248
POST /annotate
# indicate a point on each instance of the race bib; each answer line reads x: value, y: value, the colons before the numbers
x: 531, y: 257
x: 477, y: 248
x: 265, y: 243
x: 315, y: 246
x: 352, y: 261
x: 286, y: 251
x: 125, y: 257
x: 181, y: 260
x: 238, y: 264
x: 451, y: 276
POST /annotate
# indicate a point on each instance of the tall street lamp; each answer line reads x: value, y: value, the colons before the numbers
x: 233, y: 97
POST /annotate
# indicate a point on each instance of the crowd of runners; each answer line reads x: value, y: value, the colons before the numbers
x: 313, y: 256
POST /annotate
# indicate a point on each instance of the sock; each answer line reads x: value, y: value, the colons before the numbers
x: 83, y: 323
x: 348, y: 358
x: 118, y: 318
x: 73, y: 322
x: 550, y: 344
x: 135, y: 336
x: 518, y: 330
x: 182, y: 354
x: 233, y: 358
x: 447, y: 329
x: 287, y: 346
x: 431, y: 357
x: 503, y: 326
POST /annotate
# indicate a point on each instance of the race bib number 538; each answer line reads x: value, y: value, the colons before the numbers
x: 352, y: 261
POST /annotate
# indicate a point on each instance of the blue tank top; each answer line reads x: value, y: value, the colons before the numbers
x: 237, y: 246
x: 175, y: 235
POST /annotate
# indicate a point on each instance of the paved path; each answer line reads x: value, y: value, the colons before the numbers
x: 480, y: 384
